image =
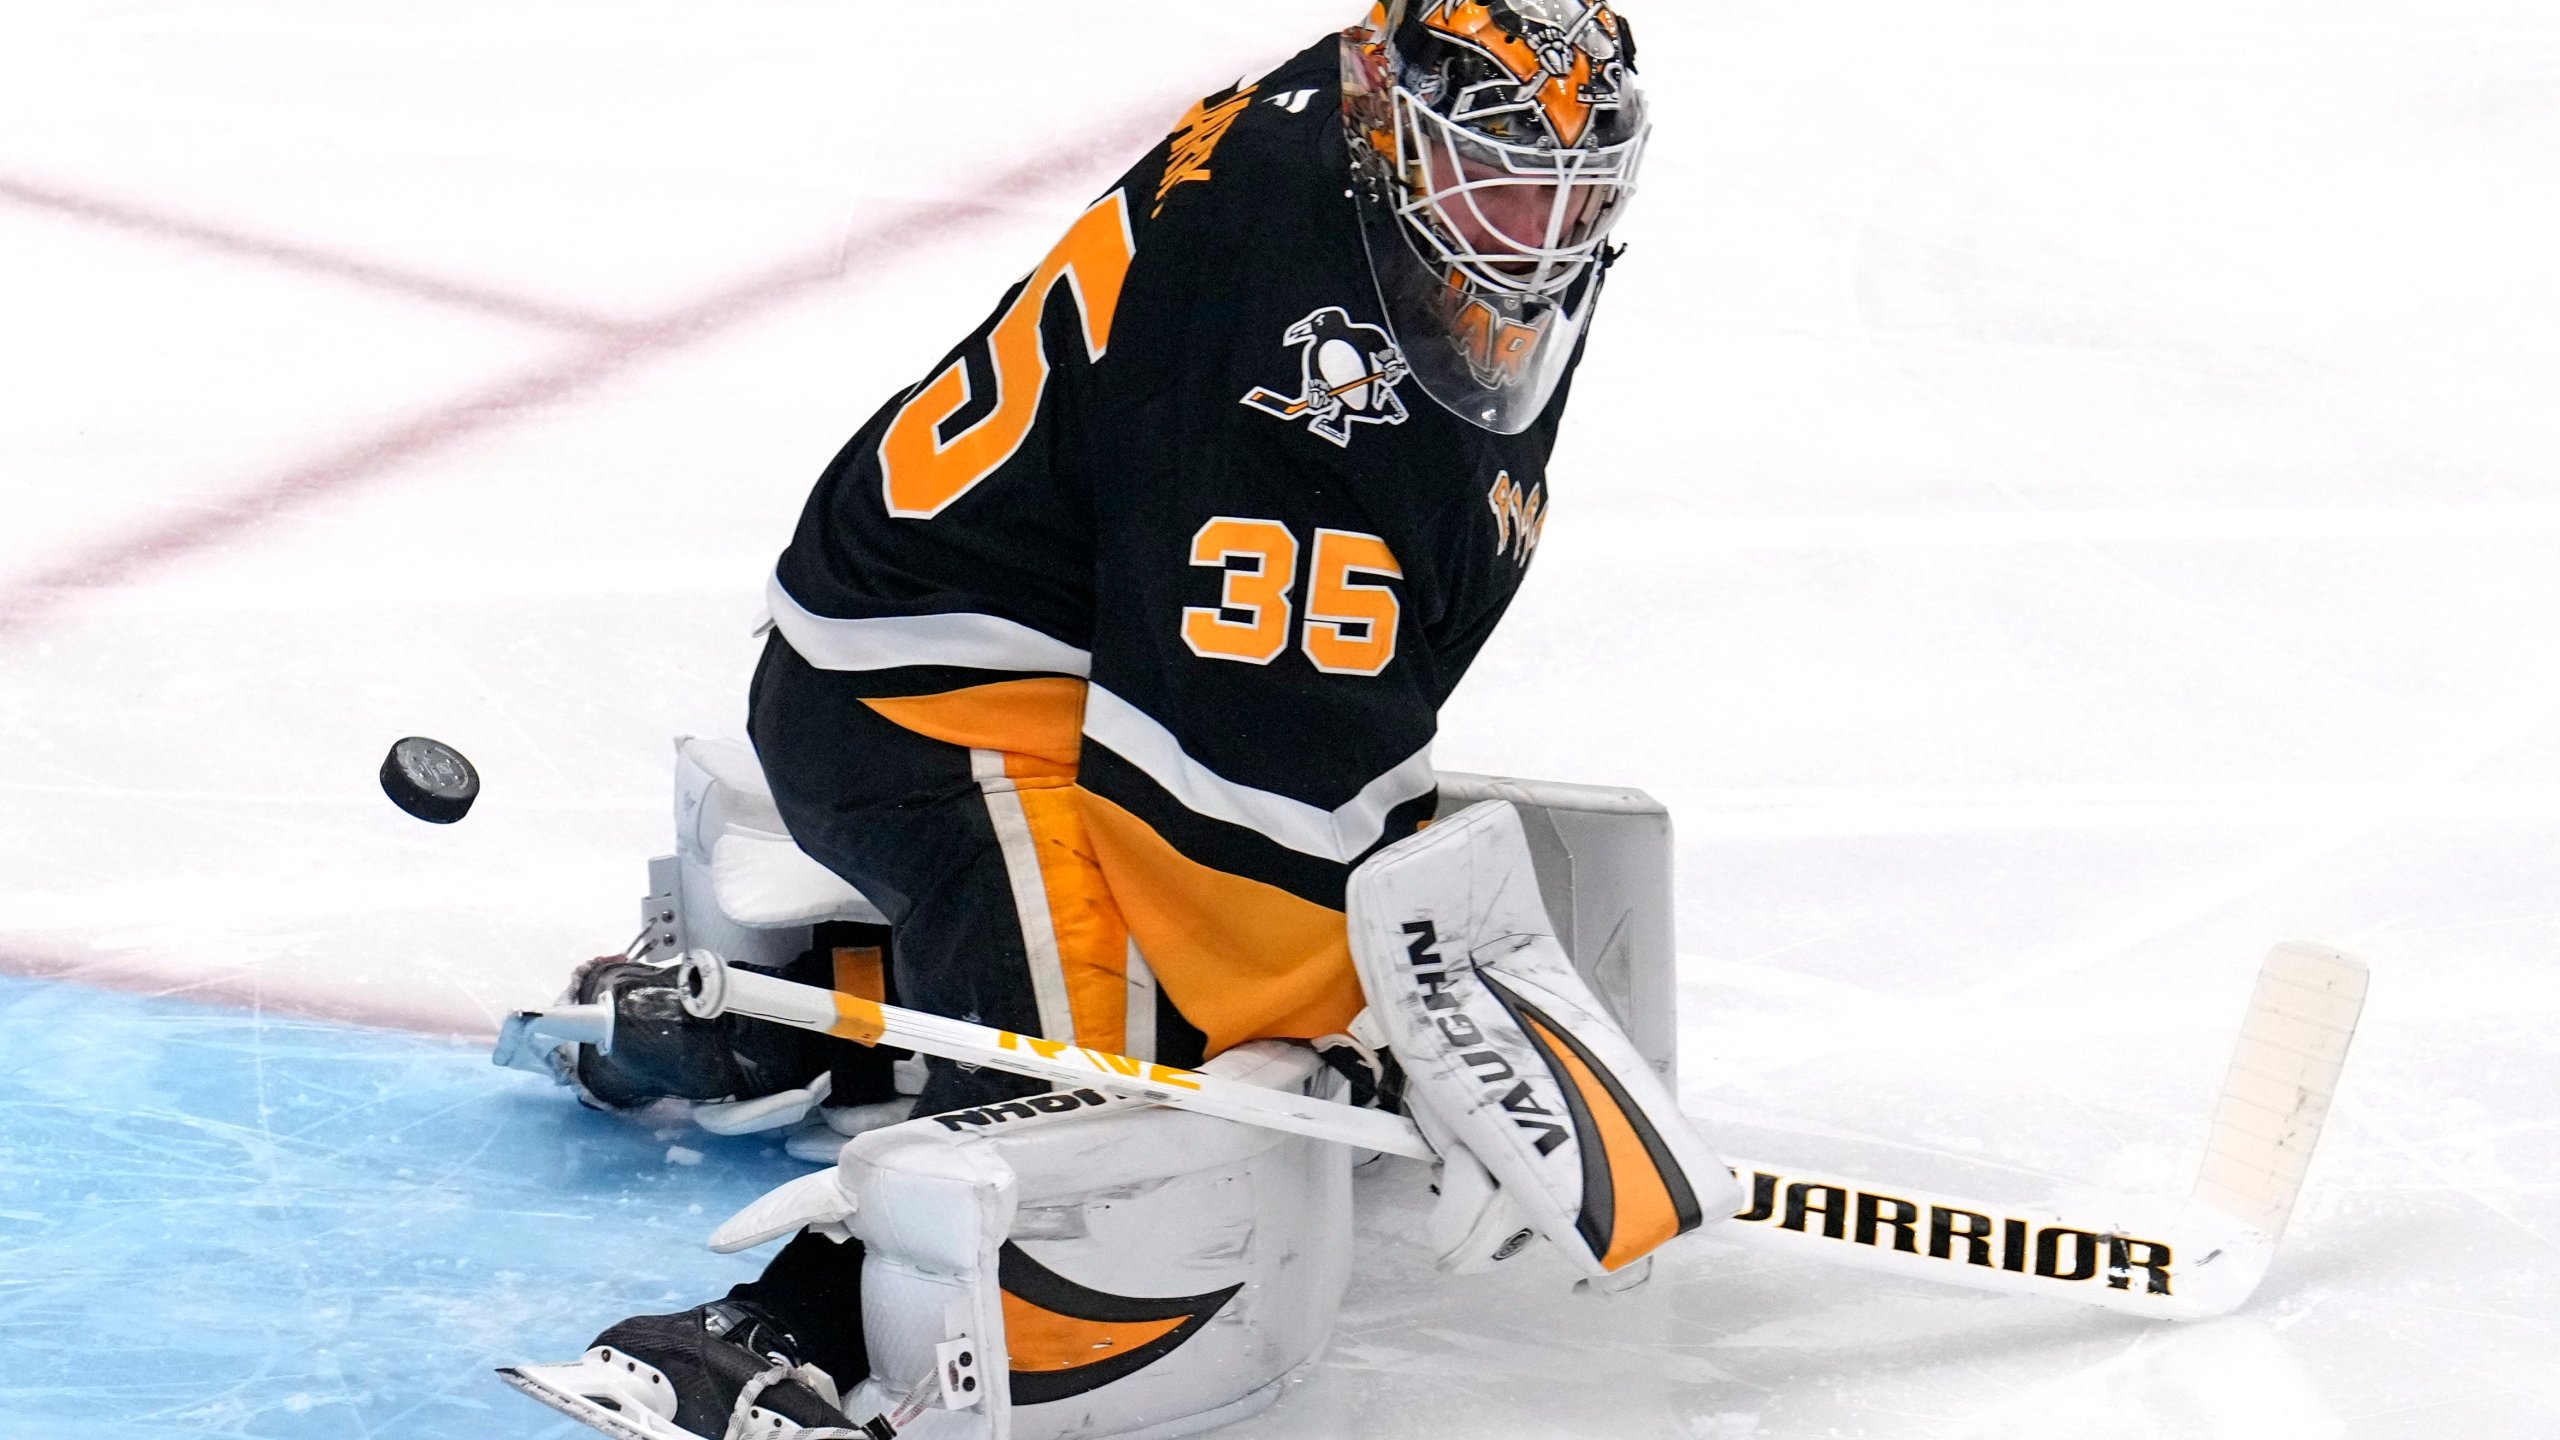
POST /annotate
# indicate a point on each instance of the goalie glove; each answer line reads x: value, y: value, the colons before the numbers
x: 1511, y: 1061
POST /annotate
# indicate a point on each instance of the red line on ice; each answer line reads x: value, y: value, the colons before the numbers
x: 25, y: 605
x: 310, y: 260
x: 28, y: 603
x: 246, y: 988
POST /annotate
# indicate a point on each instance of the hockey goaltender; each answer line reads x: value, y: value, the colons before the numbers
x: 1105, y: 667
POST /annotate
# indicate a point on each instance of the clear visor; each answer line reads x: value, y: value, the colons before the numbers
x: 1487, y: 252
x: 1494, y: 358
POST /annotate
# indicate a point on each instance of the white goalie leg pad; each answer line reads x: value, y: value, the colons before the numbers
x: 1093, y: 1267
x: 1509, y: 1056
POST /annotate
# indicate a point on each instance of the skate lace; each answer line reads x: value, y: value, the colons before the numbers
x: 742, y: 1428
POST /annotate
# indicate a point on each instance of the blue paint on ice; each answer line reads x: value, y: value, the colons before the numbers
x: 223, y: 1224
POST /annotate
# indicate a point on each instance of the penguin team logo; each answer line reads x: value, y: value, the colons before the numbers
x: 1347, y: 377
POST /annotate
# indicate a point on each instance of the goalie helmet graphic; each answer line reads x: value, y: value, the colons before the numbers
x: 1347, y: 377
x: 1494, y: 147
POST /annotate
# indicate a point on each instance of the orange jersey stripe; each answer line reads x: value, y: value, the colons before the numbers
x: 1036, y: 720
x: 1093, y: 941
x: 1241, y: 959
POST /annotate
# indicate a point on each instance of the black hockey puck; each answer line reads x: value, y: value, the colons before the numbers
x: 430, y: 780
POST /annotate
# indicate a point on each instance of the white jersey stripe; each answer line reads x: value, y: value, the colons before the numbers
x: 986, y: 765
x: 1341, y: 835
x: 962, y: 641
x: 1142, y: 1007
x: 1030, y: 899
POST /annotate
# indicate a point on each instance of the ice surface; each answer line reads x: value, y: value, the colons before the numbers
x: 220, y: 1223
x: 2062, y: 498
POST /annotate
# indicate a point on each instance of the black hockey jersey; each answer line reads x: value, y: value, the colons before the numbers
x: 1175, y: 534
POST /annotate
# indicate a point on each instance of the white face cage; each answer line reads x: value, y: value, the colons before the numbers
x: 1487, y: 202
x: 1516, y: 219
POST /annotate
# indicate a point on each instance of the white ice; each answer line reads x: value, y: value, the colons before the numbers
x: 2063, y: 497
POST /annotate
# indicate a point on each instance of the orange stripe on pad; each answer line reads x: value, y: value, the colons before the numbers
x: 1043, y: 1340
x: 1646, y: 1218
x: 1038, y: 720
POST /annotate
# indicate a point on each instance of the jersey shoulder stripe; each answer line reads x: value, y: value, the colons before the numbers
x: 961, y: 640
x: 1341, y: 835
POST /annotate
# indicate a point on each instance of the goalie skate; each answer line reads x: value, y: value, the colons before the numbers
x: 735, y: 1377
x: 608, y: 1391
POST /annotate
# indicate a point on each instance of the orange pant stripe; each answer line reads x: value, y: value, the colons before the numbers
x: 1242, y: 960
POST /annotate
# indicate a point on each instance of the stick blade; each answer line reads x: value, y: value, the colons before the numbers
x: 2284, y: 1074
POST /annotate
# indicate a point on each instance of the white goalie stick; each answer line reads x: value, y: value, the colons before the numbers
x: 2203, y: 1260
x: 712, y: 989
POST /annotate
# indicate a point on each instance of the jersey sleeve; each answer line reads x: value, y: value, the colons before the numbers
x: 954, y: 532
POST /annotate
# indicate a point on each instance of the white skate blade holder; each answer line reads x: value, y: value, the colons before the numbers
x: 636, y: 1412
x: 623, y: 1397
x: 771, y: 1112
x: 527, y: 1038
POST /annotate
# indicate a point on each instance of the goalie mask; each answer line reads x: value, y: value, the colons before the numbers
x: 1495, y: 145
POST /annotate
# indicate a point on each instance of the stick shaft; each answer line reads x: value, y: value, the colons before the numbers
x: 2204, y: 1260
x: 713, y: 988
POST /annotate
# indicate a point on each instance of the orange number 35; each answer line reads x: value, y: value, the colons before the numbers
x: 1351, y: 623
x: 922, y: 473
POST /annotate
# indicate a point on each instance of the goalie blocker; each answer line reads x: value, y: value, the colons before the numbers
x: 1546, y: 1116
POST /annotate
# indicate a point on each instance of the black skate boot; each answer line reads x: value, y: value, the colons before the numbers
x: 660, y: 1052
x: 722, y: 1371
x: 621, y: 1039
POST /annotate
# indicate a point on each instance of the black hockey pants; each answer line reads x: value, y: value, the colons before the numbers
x: 974, y: 857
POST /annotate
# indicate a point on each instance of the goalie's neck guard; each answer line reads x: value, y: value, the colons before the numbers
x: 1494, y: 147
